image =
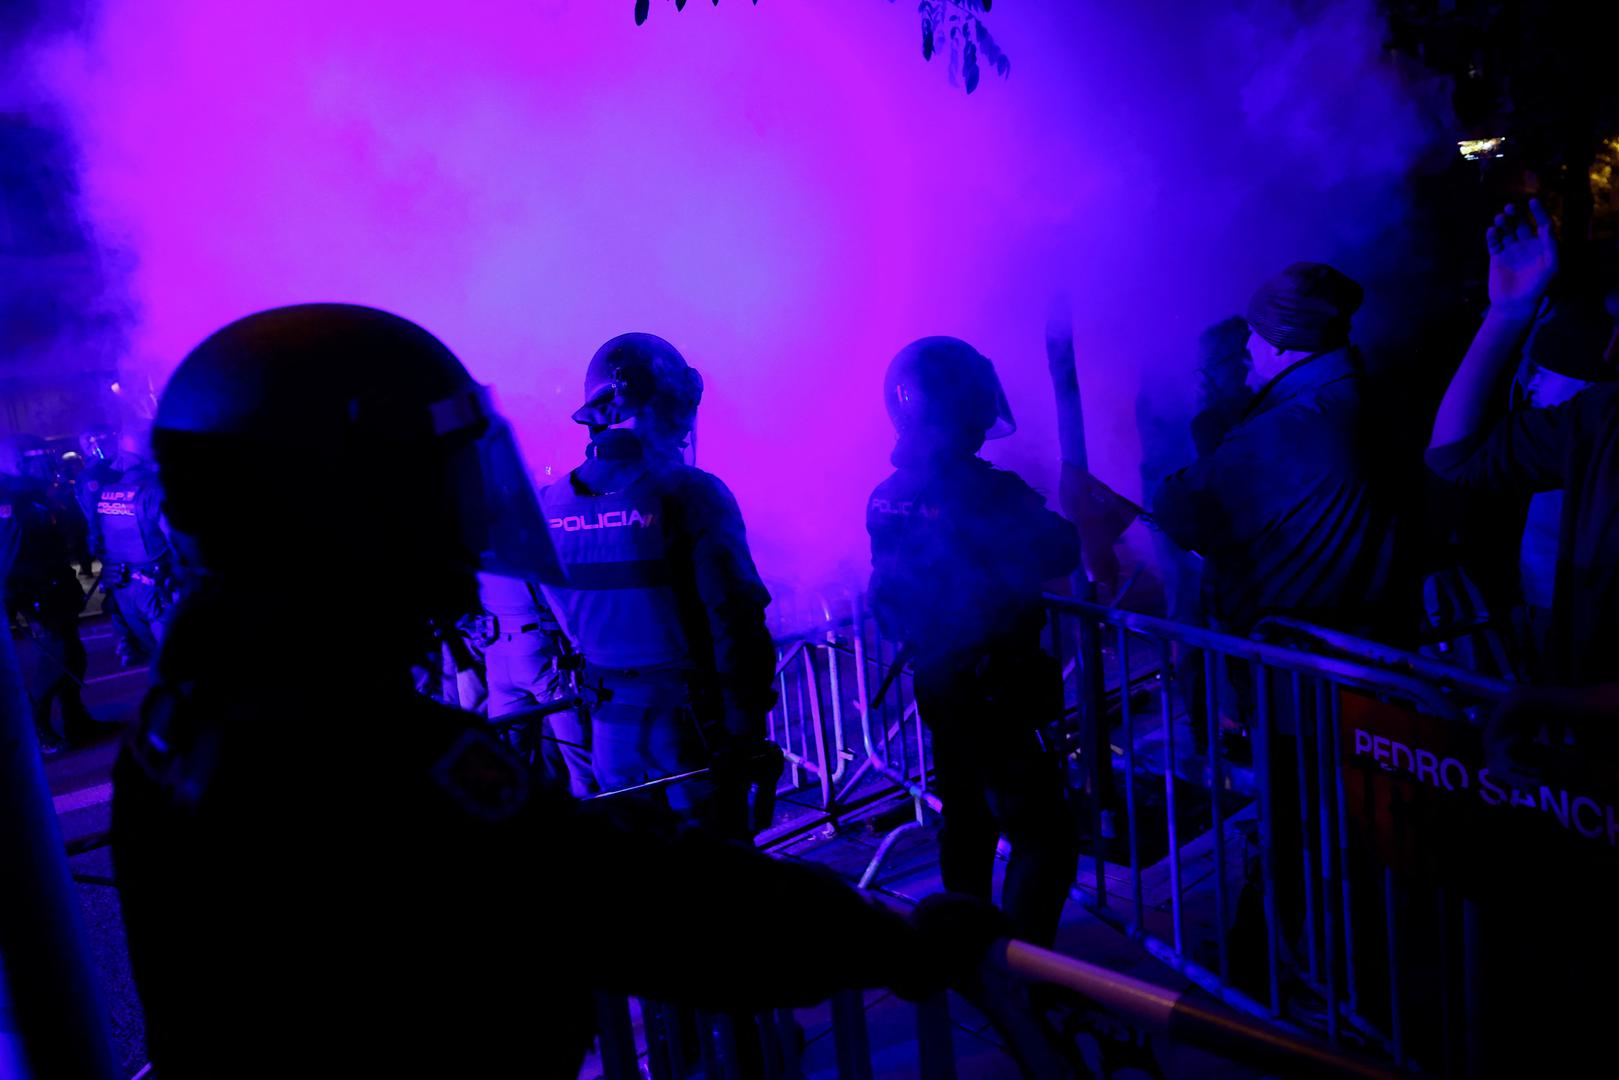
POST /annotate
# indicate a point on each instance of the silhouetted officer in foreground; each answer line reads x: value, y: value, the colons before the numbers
x: 307, y: 880
x: 959, y: 550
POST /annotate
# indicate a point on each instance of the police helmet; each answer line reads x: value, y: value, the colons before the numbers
x: 277, y: 423
x: 944, y: 384
x: 641, y: 377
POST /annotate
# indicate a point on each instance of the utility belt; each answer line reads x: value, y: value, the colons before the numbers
x: 154, y: 574
x: 488, y: 629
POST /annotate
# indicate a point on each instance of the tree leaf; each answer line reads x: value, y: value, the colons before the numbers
x: 969, y: 66
x: 927, y: 38
x: 992, y: 52
x: 680, y: 5
x: 641, y: 10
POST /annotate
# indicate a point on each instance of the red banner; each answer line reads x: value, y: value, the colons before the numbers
x: 1418, y: 794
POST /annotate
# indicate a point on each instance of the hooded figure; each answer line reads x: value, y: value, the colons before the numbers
x: 1285, y: 510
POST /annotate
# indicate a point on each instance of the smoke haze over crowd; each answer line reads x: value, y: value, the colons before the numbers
x: 786, y: 191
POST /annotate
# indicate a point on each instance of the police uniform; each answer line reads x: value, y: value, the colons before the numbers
x: 40, y: 585
x: 660, y: 596
x: 959, y: 552
x: 524, y: 668
x: 134, y: 552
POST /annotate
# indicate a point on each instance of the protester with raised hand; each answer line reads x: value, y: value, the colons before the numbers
x: 1574, y: 447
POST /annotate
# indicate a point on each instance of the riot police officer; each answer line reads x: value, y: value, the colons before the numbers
x: 959, y: 550
x: 341, y: 854
x: 659, y: 592
x: 40, y: 586
x: 41, y: 465
x: 123, y: 502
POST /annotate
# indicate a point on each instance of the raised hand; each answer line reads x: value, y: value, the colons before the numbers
x: 1523, y: 258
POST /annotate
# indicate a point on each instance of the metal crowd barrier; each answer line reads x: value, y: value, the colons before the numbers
x: 848, y: 756
x: 1360, y: 936
x: 1229, y: 787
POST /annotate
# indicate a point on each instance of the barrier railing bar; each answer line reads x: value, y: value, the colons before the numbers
x: 812, y: 687
x: 1094, y: 741
x: 1335, y: 729
x: 783, y: 702
x: 1447, y: 1020
x: 1267, y: 832
x: 921, y: 761
x: 1307, y: 849
x: 1348, y: 672
x: 1167, y: 715
x: 1127, y: 716
x: 1387, y: 656
x: 1329, y: 927
x: 786, y: 658
x: 863, y: 707
x: 835, y: 686
x: 1213, y: 668
x: 1390, y: 919
x: 1472, y: 989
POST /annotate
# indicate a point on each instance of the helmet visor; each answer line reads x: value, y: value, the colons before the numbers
x: 498, y: 510
x: 1004, y: 425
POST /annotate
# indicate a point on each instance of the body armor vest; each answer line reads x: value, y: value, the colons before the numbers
x: 616, y: 603
x: 127, y: 509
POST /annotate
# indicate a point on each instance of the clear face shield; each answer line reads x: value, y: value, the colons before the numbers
x: 497, y: 507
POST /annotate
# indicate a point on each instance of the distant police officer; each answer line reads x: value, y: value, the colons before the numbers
x: 41, y: 465
x: 959, y: 550
x: 41, y: 587
x: 659, y: 592
x: 344, y: 851
x: 124, y: 504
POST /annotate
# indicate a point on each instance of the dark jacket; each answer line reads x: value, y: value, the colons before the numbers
x: 1287, y: 511
x: 1573, y: 447
x: 959, y: 550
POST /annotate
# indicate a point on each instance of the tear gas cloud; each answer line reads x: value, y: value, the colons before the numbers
x: 786, y: 191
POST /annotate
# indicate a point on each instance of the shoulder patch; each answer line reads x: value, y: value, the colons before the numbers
x: 482, y: 776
